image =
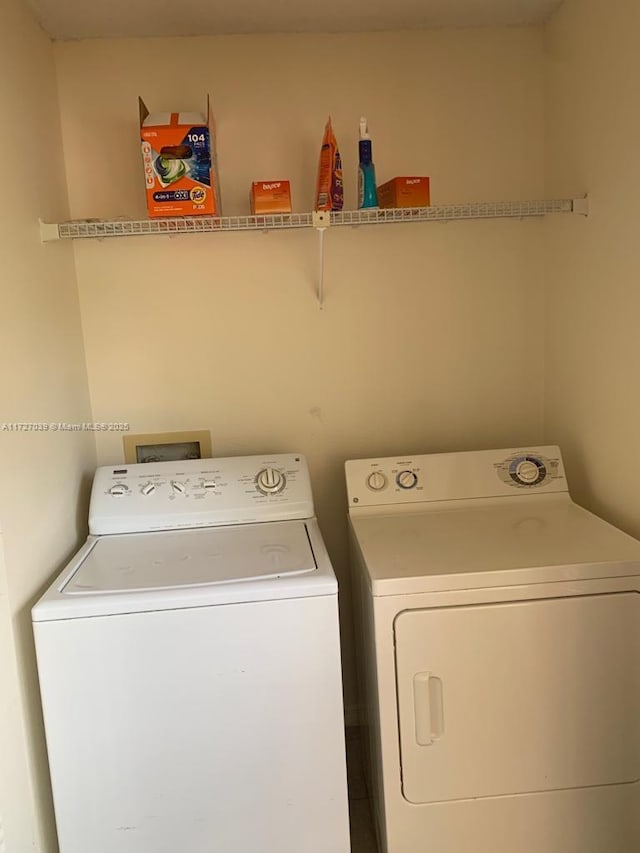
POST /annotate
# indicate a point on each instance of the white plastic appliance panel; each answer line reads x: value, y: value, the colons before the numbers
x: 579, y: 820
x: 422, y: 478
x: 214, y: 728
x: 483, y: 543
x: 198, y: 493
x: 142, y: 561
x: 518, y: 697
x: 58, y: 604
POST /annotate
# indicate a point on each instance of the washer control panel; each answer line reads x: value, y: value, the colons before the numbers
x: 199, y: 493
x: 454, y: 476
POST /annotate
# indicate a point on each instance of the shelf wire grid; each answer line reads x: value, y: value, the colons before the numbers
x: 98, y: 228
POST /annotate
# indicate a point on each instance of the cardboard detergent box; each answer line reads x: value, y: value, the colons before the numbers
x: 180, y: 164
x: 405, y: 192
x: 270, y: 197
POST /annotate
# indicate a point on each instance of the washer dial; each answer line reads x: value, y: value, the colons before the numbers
x: 270, y: 481
x: 119, y: 489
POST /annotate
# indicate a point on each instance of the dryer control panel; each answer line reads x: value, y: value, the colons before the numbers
x: 199, y: 493
x: 454, y: 476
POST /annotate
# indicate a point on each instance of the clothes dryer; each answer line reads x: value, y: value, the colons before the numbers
x: 499, y: 648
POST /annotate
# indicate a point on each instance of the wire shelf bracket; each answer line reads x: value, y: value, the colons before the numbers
x: 319, y: 220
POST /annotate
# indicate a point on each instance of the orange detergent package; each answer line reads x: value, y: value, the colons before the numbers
x: 270, y: 197
x: 179, y: 160
x: 329, y: 189
x: 405, y: 192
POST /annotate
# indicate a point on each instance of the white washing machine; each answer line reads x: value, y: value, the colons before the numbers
x: 499, y: 628
x: 189, y: 666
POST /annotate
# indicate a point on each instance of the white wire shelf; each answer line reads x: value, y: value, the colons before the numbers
x: 102, y: 228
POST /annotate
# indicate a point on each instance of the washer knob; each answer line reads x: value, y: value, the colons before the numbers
x: 376, y: 481
x: 119, y: 489
x: 407, y: 479
x: 270, y: 481
x: 148, y: 488
x: 177, y: 487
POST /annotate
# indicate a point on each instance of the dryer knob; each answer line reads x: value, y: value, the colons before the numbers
x: 528, y: 471
x: 376, y: 481
x: 407, y: 479
x: 270, y: 481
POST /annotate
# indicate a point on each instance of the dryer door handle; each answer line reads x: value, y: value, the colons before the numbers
x: 428, y: 708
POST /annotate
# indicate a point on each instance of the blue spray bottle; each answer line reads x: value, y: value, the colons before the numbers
x: 367, y: 192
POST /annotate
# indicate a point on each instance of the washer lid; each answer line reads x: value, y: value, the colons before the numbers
x: 138, y: 572
x: 147, y: 561
x: 474, y: 544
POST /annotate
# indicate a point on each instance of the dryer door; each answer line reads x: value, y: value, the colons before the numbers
x: 519, y: 697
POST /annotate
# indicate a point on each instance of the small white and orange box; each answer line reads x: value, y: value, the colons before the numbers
x: 405, y: 192
x: 270, y: 197
x: 179, y: 161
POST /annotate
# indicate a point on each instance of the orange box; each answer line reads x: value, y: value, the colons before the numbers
x: 179, y: 161
x: 270, y: 197
x: 405, y: 192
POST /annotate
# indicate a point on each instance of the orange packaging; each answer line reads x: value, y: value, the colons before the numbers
x: 329, y: 189
x: 270, y: 197
x: 405, y: 192
x: 179, y: 161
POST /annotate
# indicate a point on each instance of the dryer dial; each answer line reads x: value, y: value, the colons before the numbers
x: 527, y: 470
x: 376, y: 481
x: 407, y: 479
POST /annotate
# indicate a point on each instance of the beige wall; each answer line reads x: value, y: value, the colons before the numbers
x: 425, y: 341
x: 593, y: 266
x: 42, y: 378
x: 16, y: 804
x: 420, y: 345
